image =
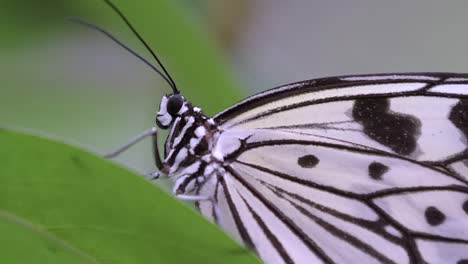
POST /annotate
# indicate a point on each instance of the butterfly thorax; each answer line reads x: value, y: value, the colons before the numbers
x: 189, y: 158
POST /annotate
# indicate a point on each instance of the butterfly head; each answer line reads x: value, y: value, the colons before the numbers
x: 171, y: 107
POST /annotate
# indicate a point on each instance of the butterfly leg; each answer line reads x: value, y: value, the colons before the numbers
x: 153, y: 175
x: 200, y: 198
x: 153, y: 132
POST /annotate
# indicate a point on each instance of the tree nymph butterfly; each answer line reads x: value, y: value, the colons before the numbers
x: 363, y: 169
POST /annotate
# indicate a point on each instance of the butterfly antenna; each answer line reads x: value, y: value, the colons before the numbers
x: 109, y: 35
x: 114, y: 7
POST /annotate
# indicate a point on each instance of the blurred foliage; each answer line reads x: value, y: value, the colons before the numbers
x: 26, y: 21
x: 171, y: 30
x: 69, y: 206
x: 72, y: 82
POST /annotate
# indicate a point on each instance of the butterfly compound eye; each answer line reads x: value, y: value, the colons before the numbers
x: 174, y: 104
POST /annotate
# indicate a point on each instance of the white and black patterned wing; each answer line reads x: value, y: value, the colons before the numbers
x: 364, y: 168
x: 424, y: 117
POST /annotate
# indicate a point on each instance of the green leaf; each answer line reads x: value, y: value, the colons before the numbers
x: 22, y: 242
x: 61, y: 204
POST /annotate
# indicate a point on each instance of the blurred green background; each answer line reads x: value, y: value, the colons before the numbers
x: 66, y: 81
x: 72, y: 83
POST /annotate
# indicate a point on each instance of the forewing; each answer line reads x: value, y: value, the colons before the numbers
x: 424, y: 117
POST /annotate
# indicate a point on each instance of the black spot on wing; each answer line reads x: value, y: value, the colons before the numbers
x: 397, y: 131
x: 462, y: 261
x: 459, y: 116
x: 376, y: 170
x: 434, y: 216
x: 308, y: 161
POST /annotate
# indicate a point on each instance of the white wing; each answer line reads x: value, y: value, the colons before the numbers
x: 422, y: 117
x: 368, y: 169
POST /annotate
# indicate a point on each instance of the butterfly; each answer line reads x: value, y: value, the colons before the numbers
x: 368, y: 169
x: 363, y: 168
